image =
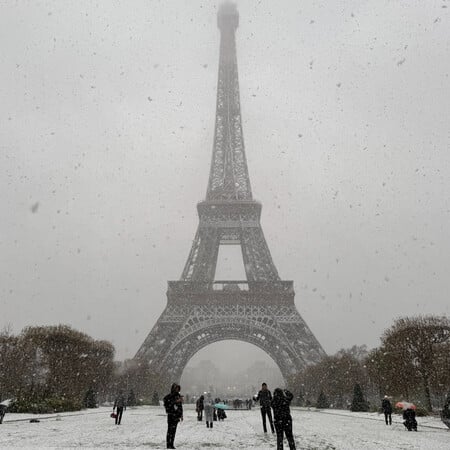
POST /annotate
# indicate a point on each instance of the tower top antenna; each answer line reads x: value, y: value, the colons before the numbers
x: 258, y: 309
x: 227, y: 16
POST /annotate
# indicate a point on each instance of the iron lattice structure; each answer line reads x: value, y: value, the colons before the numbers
x: 201, y: 310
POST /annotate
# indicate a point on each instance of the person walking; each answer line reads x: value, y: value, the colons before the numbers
x: 282, y: 417
x: 120, y: 404
x: 387, y: 410
x: 173, y: 403
x: 265, y: 397
x: 199, y: 407
x: 209, y: 411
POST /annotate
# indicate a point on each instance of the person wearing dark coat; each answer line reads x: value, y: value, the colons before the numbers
x: 215, y: 415
x: 387, y: 410
x: 3, y: 409
x: 173, y: 402
x: 445, y: 412
x: 282, y: 417
x: 220, y: 413
x: 199, y: 407
x: 120, y: 405
x: 265, y: 397
x: 409, y: 417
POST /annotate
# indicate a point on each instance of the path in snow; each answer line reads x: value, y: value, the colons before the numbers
x: 146, y: 427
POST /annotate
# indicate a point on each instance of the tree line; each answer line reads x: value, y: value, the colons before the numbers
x: 412, y: 363
x: 57, y: 368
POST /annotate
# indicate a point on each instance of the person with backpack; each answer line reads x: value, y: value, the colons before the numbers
x: 173, y: 403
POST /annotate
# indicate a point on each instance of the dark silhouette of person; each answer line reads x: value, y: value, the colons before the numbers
x: 215, y: 415
x: 120, y: 404
x: 445, y: 413
x: 173, y: 402
x: 219, y: 412
x: 409, y: 417
x: 265, y: 397
x: 221, y: 415
x: 282, y: 417
x: 199, y: 407
x: 387, y: 410
x: 3, y: 409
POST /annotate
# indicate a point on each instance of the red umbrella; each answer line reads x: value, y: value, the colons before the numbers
x: 405, y: 405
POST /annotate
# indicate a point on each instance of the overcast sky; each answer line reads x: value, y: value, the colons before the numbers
x: 106, y: 130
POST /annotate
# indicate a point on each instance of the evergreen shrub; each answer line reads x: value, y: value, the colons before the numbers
x: 322, y: 401
x: 359, y: 403
x: 44, y: 406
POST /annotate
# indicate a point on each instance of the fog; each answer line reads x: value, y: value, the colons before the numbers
x: 106, y: 130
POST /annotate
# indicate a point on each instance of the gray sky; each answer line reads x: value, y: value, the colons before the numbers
x: 106, y: 129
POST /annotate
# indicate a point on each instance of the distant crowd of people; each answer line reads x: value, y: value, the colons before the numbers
x: 214, y: 410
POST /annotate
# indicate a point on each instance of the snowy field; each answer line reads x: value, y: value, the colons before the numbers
x: 146, y: 427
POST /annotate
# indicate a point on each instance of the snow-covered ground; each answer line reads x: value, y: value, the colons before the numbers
x: 146, y: 427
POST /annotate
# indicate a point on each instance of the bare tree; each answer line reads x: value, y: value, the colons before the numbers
x: 419, y: 346
x: 135, y: 375
x: 335, y: 376
x: 54, y: 362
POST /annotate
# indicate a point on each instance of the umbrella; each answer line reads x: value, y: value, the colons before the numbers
x: 221, y: 406
x: 405, y: 405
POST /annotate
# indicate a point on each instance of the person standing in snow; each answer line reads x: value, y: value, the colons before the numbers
x: 173, y: 402
x: 445, y: 412
x: 282, y: 417
x: 199, y: 407
x: 387, y: 410
x: 3, y: 408
x: 265, y: 397
x: 209, y: 411
x: 120, y: 404
x: 221, y: 414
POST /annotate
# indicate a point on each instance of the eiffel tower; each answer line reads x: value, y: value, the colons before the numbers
x: 201, y: 310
